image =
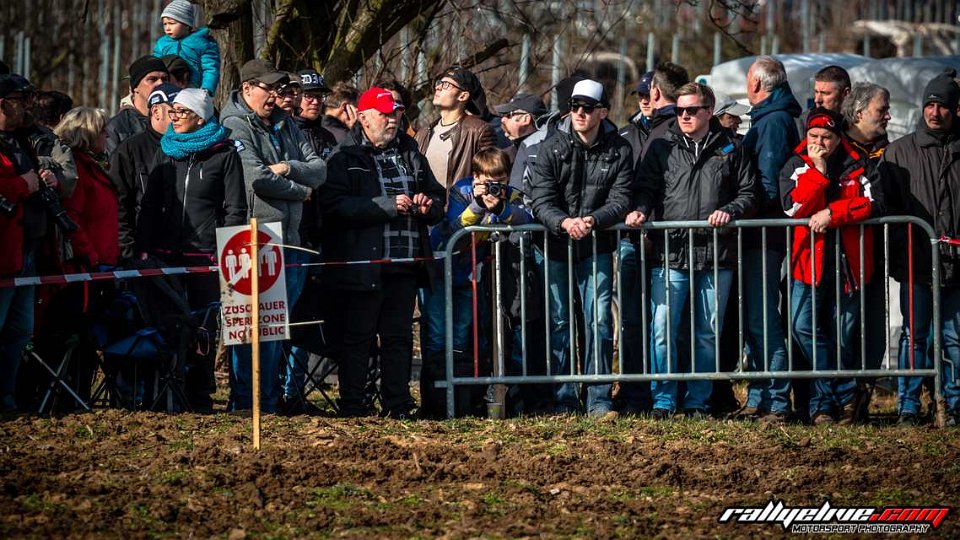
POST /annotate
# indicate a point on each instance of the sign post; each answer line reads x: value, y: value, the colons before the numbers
x: 255, y: 330
x: 253, y: 294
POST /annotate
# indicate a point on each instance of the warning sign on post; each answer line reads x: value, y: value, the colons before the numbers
x: 236, y: 267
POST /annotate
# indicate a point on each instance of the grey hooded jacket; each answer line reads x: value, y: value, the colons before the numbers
x: 271, y: 197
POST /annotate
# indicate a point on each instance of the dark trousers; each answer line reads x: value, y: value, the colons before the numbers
x: 387, y: 313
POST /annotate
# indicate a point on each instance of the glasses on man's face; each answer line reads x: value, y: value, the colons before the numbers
x: 268, y: 88
x: 692, y: 110
x: 588, y: 108
x: 181, y: 113
x: 445, y: 85
x: 289, y: 91
x: 514, y: 114
x: 319, y: 98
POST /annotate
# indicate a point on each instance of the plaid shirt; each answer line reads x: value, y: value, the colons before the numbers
x: 400, y: 237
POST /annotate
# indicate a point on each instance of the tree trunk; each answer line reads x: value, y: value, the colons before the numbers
x: 231, y: 22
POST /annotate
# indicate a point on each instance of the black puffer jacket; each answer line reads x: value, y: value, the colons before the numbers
x: 130, y: 167
x: 355, y: 210
x: 921, y: 177
x: 636, y: 133
x: 572, y: 180
x: 187, y: 199
x: 125, y: 124
x: 677, y: 183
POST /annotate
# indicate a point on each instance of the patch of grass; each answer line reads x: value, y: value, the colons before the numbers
x: 410, y: 500
x: 656, y: 491
x: 173, y: 478
x: 36, y: 503
x: 338, y: 497
x: 493, y: 499
x: 892, y: 496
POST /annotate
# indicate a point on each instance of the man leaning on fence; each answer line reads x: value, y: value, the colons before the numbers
x: 377, y: 203
x: 580, y: 185
x: 921, y: 172
x: 830, y: 183
x: 696, y: 172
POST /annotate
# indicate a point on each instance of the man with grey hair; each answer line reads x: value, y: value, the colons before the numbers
x: 866, y: 111
x: 772, y: 137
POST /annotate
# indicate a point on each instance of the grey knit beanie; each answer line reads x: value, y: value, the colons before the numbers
x: 183, y: 11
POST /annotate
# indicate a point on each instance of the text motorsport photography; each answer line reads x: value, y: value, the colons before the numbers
x: 828, y: 519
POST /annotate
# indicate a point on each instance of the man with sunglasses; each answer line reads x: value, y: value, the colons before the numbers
x: 451, y: 142
x: 377, y: 204
x: 695, y: 172
x: 281, y: 171
x: 581, y: 184
x: 519, y: 119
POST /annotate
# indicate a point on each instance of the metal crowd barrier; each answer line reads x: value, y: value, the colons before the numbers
x: 526, y: 243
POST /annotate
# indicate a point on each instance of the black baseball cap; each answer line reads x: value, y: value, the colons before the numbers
x: 260, y: 70
x: 522, y: 102
x: 311, y: 81
x: 13, y: 83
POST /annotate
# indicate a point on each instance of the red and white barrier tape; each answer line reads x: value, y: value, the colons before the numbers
x: 175, y: 271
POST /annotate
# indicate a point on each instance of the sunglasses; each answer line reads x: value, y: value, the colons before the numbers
x: 513, y: 114
x: 587, y: 107
x: 307, y: 96
x: 692, y: 110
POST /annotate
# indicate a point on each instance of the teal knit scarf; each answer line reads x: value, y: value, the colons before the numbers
x: 181, y: 145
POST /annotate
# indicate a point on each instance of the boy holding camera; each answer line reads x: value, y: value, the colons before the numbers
x: 482, y: 199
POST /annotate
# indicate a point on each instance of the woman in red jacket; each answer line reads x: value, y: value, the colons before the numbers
x: 828, y: 182
x: 93, y: 205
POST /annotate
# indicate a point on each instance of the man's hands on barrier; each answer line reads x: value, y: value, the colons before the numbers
x: 32, y: 180
x: 577, y: 227
x: 719, y: 218
x: 820, y: 221
x: 635, y: 219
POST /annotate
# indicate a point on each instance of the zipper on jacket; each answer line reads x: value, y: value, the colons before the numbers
x: 186, y: 188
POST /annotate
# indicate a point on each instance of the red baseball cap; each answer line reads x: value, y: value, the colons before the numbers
x: 379, y: 99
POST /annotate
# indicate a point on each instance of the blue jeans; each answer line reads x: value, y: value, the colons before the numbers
x: 635, y: 394
x: 16, y: 329
x: 598, y: 336
x: 766, y: 394
x: 707, y: 312
x: 271, y: 352
x: 909, y: 388
x: 433, y: 318
x: 295, y: 374
x: 827, y: 396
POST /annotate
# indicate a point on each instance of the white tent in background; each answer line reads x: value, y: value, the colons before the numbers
x: 905, y: 78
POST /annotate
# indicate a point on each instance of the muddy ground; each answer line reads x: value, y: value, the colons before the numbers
x: 116, y: 474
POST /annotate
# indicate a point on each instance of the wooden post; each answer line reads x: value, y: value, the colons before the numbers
x: 255, y: 328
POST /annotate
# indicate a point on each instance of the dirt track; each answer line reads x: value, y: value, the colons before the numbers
x: 118, y: 474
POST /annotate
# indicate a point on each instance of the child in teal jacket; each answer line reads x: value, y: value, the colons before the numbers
x: 196, y: 47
